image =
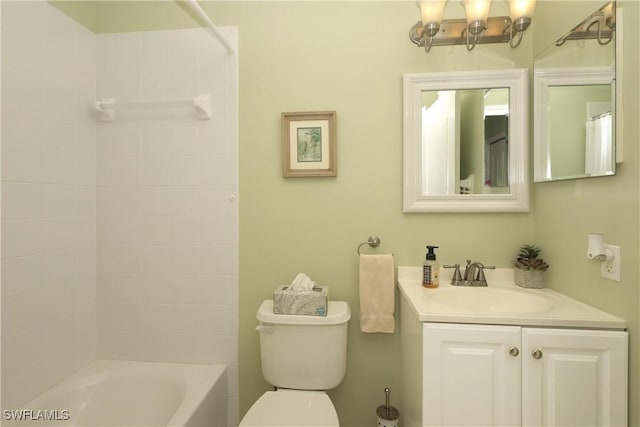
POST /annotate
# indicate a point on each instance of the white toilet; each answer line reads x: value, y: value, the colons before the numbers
x: 302, y: 356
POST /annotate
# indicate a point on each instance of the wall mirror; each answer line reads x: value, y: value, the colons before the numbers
x: 574, y: 102
x: 466, y: 141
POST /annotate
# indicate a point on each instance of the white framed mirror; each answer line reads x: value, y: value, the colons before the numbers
x: 575, y: 99
x: 466, y: 141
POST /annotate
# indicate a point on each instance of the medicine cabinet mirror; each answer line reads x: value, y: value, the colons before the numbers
x: 574, y: 103
x: 466, y: 141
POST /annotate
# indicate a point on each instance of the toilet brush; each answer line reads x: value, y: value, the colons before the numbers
x: 387, y: 414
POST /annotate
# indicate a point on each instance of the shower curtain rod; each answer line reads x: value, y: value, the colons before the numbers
x: 193, y: 4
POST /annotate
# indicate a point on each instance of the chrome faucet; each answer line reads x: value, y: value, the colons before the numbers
x: 473, y: 274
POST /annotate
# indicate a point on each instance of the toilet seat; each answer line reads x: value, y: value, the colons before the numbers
x: 299, y: 408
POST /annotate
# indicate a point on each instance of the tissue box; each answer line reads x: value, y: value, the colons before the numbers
x: 305, y: 303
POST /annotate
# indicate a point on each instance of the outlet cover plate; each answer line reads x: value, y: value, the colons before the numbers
x: 611, y: 269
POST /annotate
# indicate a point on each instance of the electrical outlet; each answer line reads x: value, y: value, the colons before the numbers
x: 611, y: 269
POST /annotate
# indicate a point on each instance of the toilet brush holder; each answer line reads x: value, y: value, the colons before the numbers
x: 387, y: 415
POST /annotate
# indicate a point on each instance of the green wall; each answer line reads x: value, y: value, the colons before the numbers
x: 565, y: 212
x: 350, y: 57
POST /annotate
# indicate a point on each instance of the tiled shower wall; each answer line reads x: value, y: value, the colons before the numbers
x: 167, y: 213
x: 48, y: 199
x: 119, y: 239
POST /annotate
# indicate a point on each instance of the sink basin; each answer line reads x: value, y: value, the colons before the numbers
x: 487, y: 300
x: 500, y: 303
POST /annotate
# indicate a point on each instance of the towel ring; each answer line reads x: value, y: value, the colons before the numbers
x: 373, y: 241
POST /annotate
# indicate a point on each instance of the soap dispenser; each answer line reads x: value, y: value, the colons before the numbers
x: 431, y: 269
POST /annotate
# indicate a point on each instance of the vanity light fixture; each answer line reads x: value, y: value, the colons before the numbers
x: 600, y: 26
x: 478, y: 27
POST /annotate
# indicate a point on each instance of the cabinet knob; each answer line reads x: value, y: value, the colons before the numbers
x: 537, y: 354
x: 513, y: 351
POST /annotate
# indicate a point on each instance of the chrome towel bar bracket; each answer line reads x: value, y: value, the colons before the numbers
x: 373, y: 241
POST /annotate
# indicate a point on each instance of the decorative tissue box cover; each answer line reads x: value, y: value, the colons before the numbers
x: 305, y: 303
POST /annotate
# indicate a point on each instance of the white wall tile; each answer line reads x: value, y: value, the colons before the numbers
x: 184, y: 49
x: 29, y: 54
x: 157, y: 347
x: 22, y: 164
x: 154, y: 171
x: 22, y: 385
x: 154, y: 83
x: 59, y: 233
x: 119, y: 171
x: 156, y: 201
x: 143, y: 201
x: 23, y: 349
x: 184, y: 171
x: 185, y: 260
x: 186, y: 290
x: 156, y: 318
x: 60, y: 200
x: 156, y: 230
x: 118, y: 259
x: 23, y: 89
x: 185, y: 230
x: 213, y: 140
x: 125, y: 345
x: 127, y: 288
x: 22, y: 237
x: 185, y: 200
x: 60, y: 266
x: 113, y: 200
x: 22, y: 200
x: 184, y: 319
x: 59, y: 168
x: 185, y: 347
x: 86, y: 200
x: 172, y: 173
x: 156, y: 260
x: 184, y: 139
x: 22, y: 312
x: 214, y: 320
x: 22, y: 275
x: 116, y: 140
x: 157, y: 289
x: 22, y: 127
x: 86, y: 229
x: 214, y: 80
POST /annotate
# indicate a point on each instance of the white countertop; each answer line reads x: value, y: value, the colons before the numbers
x: 502, y: 302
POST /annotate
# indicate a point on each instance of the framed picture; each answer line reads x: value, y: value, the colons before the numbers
x: 309, y: 144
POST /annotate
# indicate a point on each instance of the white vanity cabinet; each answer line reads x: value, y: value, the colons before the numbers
x: 494, y: 375
x: 574, y: 377
x: 507, y: 356
x: 469, y: 378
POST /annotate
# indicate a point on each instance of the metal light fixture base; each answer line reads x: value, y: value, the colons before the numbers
x: 453, y: 32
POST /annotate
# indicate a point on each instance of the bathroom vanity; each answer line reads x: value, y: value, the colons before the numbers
x: 504, y: 355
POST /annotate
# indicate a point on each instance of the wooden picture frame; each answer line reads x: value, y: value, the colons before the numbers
x: 309, y: 144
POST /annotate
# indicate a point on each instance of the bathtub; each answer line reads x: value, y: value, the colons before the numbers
x: 125, y: 393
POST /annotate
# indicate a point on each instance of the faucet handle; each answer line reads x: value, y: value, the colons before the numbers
x: 481, y: 269
x: 456, y: 274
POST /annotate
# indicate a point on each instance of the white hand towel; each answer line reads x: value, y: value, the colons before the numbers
x: 377, y: 293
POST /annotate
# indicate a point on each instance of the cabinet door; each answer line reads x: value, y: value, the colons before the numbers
x: 469, y: 376
x: 575, y: 378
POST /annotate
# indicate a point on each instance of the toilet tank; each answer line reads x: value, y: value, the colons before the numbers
x: 304, y: 352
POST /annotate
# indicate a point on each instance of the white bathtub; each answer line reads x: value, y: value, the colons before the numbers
x: 124, y: 393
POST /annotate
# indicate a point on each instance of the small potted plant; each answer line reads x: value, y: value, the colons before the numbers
x: 528, y: 268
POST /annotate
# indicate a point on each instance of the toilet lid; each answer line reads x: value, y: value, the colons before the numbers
x: 292, y: 408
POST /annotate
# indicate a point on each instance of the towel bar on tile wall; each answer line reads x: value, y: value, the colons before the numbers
x: 373, y: 241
